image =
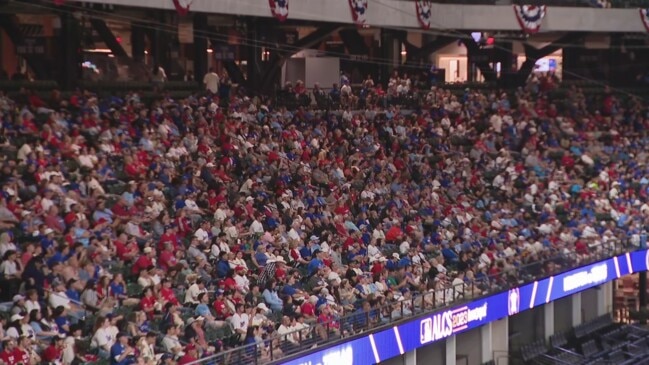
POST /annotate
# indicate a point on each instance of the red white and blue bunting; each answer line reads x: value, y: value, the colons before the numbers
x: 279, y: 9
x: 530, y: 17
x: 424, y: 12
x: 644, y: 15
x: 604, y: 4
x: 359, y: 11
x: 182, y: 6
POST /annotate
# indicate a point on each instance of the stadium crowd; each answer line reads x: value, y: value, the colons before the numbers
x: 165, y: 231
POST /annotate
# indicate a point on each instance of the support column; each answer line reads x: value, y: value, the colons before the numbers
x: 410, y: 357
x: 451, y: 350
x: 70, y: 44
x: 390, y: 52
x: 160, y: 43
x: 604, y: 295
x: 548, y: 320
x: 137, y: 42
x: 500, y: 341
x: 642, y: 289
x: 486, y: 337
x: 507, y: 65
x: 254, y: 56
x: 200, y: 46
x: 576, y: 309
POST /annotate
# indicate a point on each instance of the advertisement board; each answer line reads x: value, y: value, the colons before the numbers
x: 385, y: 344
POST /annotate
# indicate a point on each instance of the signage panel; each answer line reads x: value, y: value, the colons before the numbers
x: 380, y: 346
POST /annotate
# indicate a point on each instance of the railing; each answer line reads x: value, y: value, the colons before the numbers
x: 357, y: 324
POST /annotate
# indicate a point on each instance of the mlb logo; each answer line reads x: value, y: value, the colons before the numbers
x: 426, y: 331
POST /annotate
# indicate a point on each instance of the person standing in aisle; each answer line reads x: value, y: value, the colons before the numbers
x: 211, y: 81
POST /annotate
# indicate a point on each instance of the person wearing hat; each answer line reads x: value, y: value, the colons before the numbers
x: 167, y: 359
x: 19, y: 304
x: 315, y: 263
x: 121, y: 353
x: 144, y: 261
x: 241, y: 280
x: 190, y: 356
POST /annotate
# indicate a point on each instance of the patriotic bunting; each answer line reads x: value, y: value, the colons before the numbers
x: 604, y: 4
x: 530, y: 17
x: 279, y: 9
x: 424, y: 12
x: 359, y: 11
x: 644, y: 15
x: 182, y: 6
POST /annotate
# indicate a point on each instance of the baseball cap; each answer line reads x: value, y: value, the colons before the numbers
x: 18, y: 298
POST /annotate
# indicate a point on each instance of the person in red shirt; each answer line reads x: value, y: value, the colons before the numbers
x: 169, y: 236
x: 126, y: 249
x: 144, y: 261
x: 148, y: 302
x: 280, y: 268
x: 8, y: 354
x: 222, y: 311
x: 191, y: 355
x: 308, y: 307
x: 167, y: 293
x: 167, y: 257
x: 23, y: 351
x: 54, y: 351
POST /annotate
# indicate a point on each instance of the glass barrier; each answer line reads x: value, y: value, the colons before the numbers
x: 362, y: 322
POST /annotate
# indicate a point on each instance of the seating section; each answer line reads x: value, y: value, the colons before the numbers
x: 598, y: 342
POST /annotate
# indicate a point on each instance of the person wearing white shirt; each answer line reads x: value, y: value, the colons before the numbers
x: 220, y: 215
x: 103, y: 338
x: 203, y: 233
x: 288, y: 332
x: 191, y: 295
x: 404, y: 247
x: 256, y: 228
x: 240, y: 321
x: 224, y: 247
x: 211, y: 81
x: 373, y: 252
x: 243, y: 283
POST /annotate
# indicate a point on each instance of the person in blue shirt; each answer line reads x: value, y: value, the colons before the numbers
x: 314, y: 264
x: 61, y: 320
x: 202, y: 309
x: 121, y: 353
x: 72, y: 292
x: 222, y: 266
x: 271, y: 297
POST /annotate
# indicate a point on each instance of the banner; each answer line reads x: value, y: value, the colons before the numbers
x: 382, y: 345
x: 279, y: 9
x: 530, y: 17
x: 359, y: 11
x: 424, y: 12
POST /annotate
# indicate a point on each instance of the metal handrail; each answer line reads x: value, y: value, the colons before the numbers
x: 251, y: 355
